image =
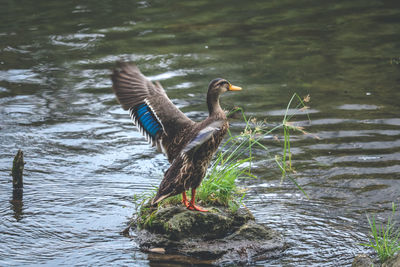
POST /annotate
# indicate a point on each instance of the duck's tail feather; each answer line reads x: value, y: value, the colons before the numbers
x: 157, y: 199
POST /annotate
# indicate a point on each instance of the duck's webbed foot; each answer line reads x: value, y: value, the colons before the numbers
x: 184, y: 199
x: 190, y: 205
x: 197, y: 208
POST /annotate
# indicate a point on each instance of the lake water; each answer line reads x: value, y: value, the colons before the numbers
x: 85, y: 160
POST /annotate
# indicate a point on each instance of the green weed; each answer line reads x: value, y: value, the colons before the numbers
x: 285, y: 162
x: 385, y: 239
x: 234, y: 159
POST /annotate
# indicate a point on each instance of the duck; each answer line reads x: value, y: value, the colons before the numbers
x: 188, y: 145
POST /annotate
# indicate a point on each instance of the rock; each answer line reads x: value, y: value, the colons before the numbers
x: 362, y: 260
x: 216, y: 237
x: 392, y: 262
x: 157, y: 250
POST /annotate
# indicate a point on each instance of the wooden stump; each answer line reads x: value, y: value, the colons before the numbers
x: 17, y: 170
x: 17, y: 174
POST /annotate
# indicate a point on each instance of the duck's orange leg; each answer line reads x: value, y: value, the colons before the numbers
x: 192, y: 206
x: 184, y: 199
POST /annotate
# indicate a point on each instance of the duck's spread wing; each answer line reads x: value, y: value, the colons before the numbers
x: 204, y: 135
x: 150, y: 108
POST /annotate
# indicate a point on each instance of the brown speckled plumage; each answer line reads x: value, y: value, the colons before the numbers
x: 188, y: 170
x: 188, y: 145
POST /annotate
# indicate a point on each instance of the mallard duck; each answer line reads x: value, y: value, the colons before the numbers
x: 188, y: 145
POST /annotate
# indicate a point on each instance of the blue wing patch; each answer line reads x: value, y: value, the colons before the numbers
x: 143, y: 115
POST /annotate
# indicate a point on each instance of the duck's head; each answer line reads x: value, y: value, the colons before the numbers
x: 219, y: 86
x: 215, y: 89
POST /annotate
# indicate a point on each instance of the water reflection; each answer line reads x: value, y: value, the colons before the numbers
x: 17, y: 204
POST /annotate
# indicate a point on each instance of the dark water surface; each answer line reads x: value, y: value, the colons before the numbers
x: 85, y: 160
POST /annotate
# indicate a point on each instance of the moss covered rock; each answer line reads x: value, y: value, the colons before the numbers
x: 362, y: 260
x: 218, y: 236
x: 393, y: 261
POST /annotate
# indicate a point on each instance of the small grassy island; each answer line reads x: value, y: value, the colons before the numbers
x: 218, y: 236
x: 228, y: 233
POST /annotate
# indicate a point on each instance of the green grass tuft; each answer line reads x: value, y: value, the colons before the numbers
x: 385, y: 240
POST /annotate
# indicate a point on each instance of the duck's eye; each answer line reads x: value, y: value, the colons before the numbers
x: 223, y: 83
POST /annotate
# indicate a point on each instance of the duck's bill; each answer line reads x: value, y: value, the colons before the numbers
x: 234, y: 88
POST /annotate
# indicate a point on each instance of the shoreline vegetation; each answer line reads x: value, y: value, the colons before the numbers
x: 385, y: 238
x: 234, y: 162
